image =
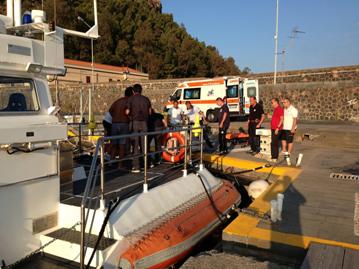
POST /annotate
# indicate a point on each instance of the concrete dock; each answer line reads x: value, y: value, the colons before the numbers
x: 316, y: 208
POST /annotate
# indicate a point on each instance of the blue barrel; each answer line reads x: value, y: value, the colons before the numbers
x: 26, y: 18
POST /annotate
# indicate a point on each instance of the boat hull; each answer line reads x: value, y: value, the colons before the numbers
x: 170, y: 242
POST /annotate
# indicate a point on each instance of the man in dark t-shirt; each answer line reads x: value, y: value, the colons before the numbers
x: 120, y: 125
x: 255, y: 120
x: 224, y: 122
x: 139, y: 110
x: 156, y: 122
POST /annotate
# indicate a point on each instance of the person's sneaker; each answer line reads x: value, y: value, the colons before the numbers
x: 152, y: 165
x: 273, y: 160
x: 135, y: 170
x: 287, y: 159
x: 250, y: 151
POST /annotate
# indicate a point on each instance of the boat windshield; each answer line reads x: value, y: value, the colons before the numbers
x: 17, y: 95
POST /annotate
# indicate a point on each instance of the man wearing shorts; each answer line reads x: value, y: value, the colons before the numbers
x: 289, y: 127
x: 120, y: 125
x: 139, y: 109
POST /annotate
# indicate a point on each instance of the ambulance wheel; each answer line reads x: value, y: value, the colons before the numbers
x: 211, y: 115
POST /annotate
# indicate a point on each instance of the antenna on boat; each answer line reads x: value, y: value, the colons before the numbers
x: 46, y: 56
x: 92, y: 33
x: 36, y: 21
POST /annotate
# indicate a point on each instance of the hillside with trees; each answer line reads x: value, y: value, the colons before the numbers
x: 137, y: 34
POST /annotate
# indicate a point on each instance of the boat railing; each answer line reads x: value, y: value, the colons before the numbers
x: 89, y: 196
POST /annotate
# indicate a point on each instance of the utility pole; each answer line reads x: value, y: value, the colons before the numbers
x: 276, y: 44
x: 92, y: 83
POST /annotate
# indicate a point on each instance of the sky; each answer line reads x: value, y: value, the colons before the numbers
x: 244, y: 29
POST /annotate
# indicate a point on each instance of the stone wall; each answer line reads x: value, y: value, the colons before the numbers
x: 311, y: 75
x: 335, y: 99
x: 105, y: 94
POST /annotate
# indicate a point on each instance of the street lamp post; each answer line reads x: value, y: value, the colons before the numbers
x: 276, y: 43
x: 92, y: 88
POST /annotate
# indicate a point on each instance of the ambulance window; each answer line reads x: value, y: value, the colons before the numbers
x: 251, y: 91
x: 232, y: 91
x: 17, y: 95
x: 177, y: 94
x: 194, y: 93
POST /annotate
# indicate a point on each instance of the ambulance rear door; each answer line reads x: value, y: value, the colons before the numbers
x: 232, y: 94
x: 250, y: 88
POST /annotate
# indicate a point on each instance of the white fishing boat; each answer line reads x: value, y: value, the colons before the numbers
x: 110, y: 223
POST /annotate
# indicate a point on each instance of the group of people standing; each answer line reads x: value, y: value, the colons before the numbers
x: 283, y: 126
x: 177, y: 115
x: 132, y: 113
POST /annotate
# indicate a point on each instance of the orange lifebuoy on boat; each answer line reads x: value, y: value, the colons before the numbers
x: 173, y: 140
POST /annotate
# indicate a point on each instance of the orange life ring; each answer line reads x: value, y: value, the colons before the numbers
x: 176, y: 155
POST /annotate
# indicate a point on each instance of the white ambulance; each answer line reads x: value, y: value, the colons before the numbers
x: 203, y: 94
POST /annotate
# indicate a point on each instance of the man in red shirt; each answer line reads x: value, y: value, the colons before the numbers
x: 276, y: 127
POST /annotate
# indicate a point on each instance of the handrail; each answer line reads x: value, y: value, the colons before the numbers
x: 88, y: 194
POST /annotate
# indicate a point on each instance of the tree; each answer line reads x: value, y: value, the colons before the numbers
x: 135, y: 33
x: 231, y: 68
x: 246, y: 70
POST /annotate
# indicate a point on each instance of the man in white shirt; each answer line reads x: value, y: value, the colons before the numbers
x: 175, y: 114
x: 289, y: 127
x: 191, y: 112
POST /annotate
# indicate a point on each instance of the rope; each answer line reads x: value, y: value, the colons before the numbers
x: 216, y: 210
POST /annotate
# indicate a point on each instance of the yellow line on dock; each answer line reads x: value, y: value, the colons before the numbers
x: 224, y: 161
x: 295, y: 240
x: 245, y: 227
x: 243, y: 224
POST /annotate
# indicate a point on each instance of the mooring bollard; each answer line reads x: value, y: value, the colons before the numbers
x: 273, y: 210
x: 280, y: 198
